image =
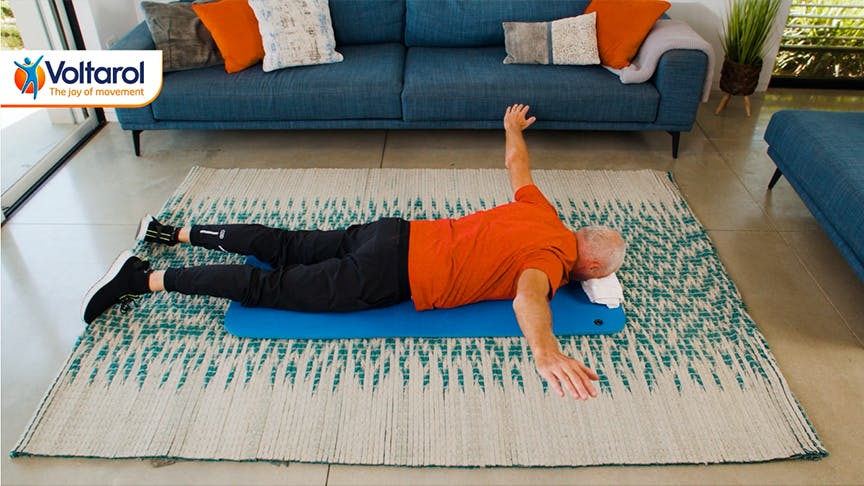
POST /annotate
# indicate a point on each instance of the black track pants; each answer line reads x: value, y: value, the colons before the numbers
x: 361, y: 267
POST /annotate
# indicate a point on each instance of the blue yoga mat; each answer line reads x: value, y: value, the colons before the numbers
x: 573, y: 314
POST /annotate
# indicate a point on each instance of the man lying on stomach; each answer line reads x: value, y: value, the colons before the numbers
x: 520, y: 251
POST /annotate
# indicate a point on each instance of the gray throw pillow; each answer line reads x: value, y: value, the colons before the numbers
x: 572, y: 41
x: 181, y: 36
x: 295, y: 33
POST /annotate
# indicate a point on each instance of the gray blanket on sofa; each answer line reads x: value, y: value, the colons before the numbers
x: 667, y: 34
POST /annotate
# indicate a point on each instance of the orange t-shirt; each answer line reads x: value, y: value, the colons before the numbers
x: 453, y: 262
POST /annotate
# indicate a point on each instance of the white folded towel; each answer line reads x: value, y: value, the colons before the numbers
x: 606, y: 291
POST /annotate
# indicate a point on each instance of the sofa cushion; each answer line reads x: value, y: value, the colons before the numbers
x: 178, y: 32
x: 233, y: 25
x: 622, y: 25
x: 296, y: 33
x: 572, y: 41
x: 457, y: 23
x: 367, y: 22
x: 476, y: 85
x: 820, y: 153
x: 366, y: 84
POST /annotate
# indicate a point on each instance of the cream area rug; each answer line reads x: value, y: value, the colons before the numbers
x: 689, y: 380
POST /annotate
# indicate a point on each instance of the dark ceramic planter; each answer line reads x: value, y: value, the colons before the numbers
x: 739, y: 79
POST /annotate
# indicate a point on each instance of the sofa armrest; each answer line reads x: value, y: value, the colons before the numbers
x: 138, y: 39
x: 679, y: 78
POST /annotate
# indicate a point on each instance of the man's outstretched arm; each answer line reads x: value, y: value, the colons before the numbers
x: 516, y: 152
x: 535, y: 319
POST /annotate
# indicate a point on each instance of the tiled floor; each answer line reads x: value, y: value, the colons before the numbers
x: 802, y: 294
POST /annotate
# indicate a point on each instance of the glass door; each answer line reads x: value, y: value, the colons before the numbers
x: 822, y: 45
x: 35, y: 141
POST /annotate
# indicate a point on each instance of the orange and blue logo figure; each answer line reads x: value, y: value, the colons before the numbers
x: 30, y: 77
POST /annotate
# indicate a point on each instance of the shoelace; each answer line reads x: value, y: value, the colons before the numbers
x: 128, y: 302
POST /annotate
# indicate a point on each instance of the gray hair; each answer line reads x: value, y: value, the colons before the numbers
x: 605, y: 245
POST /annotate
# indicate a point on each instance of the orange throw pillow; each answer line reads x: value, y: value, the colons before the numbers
x: 233, y: 25
x: 622, y: 26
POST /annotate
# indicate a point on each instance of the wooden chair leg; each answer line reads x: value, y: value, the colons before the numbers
x: 747, y: 105
x: 723, y: 103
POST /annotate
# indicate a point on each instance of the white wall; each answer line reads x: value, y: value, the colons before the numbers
x: 105, y: 21
x: 774, y: 43
x: 706, y: 18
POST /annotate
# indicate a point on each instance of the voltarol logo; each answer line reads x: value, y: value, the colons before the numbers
x: 30, y: 77
x: 80, y: 78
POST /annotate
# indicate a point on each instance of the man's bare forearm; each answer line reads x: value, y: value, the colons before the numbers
x: 533, y: 313
x: 516, y: 151
x: 517, y: 160
x: 562, y: 372
x: 535, y: 320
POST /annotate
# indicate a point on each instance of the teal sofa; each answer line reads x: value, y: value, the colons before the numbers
x: 423, y: 64
x: 821, y: 153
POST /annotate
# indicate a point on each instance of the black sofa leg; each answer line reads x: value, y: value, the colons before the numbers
x: 676, y: 138
x: 774, y: 179
x: 136, y: 141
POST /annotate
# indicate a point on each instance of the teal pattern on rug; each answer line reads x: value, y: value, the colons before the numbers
x: 688, y: 343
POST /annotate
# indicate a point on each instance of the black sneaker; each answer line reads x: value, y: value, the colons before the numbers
x: 128, y: 277
x: 151, y: 230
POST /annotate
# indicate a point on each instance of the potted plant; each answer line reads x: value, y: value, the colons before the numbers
x: 745, y: 31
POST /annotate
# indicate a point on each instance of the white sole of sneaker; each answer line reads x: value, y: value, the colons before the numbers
x: 142, y: 227
x: 112, y: 272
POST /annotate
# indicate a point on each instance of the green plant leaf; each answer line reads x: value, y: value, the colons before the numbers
x: 746, y: 28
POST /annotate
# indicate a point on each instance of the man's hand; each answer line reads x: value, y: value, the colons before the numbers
x: 535, y: 319
x: 515, y: 151
x: 514, y: 119
x: 559, y: 369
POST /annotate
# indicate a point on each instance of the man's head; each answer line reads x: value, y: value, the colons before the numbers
x: 600, y: 252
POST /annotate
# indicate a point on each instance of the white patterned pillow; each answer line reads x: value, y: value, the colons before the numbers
x: 295, y: 33
x: 572, y: 40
